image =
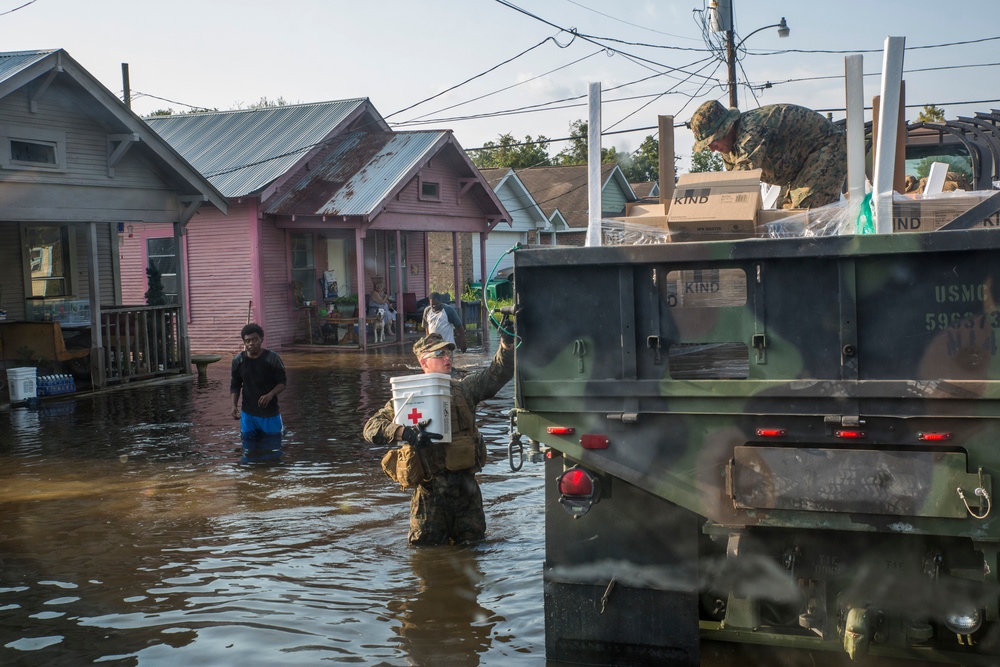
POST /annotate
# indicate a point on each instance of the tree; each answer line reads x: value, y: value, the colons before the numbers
x: 706, y: 160
x: 644, y: 164
x: 155, y: 296
x: 576, y: 153
x: 506, y: 152
x: 931, y: 114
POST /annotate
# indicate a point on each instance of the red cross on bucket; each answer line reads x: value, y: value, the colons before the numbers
x: 414, y: 416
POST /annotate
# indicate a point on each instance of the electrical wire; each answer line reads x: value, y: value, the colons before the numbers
x: 473, y: 78
x: 11, y: 11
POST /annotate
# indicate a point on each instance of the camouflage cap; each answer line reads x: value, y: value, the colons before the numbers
x: 431, y: 343
x: 710, y: 122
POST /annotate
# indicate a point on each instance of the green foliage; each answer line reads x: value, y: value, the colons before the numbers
x: 264, y: 103
x: 507, y: 152
x: 155, y: 296
x: 644, y: 164
x: 956, y: 164
x: 705, y: 160
x: 576, y: 152
x: 931, y: 114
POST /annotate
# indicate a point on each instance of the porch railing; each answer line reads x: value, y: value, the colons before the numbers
x: 140, y: 341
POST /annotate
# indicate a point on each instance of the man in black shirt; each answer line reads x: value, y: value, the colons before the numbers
x: 259, y: 375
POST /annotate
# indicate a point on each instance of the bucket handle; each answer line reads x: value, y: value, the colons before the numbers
x: 405, y: 401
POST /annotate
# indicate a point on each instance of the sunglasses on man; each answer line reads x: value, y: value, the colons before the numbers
x: 443, y: 352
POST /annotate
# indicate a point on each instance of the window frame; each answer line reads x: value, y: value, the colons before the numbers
x: 68, y: 236
x: 173, y: 298
x: 56, y: 139
x: 420, y: 190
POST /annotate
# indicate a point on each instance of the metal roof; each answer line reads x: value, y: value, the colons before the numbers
x: 13, y: 62
x: 241, y: 152
x: 361, y: 171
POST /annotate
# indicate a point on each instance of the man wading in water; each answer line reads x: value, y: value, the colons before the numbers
x: 260, y: 374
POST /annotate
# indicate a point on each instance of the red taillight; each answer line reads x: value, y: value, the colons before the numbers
x: 771, y: 432
x: 576, y: 482
x: 593, y: 441
x: 934, y: 437
x: 578, y: 491
x: 850, y: 434
x: 561, y: 430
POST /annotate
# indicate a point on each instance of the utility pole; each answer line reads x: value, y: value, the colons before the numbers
x: 723, y: 20
x: 731, y: 60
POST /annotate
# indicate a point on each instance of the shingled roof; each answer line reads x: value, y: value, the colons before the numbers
x: 564, y: 189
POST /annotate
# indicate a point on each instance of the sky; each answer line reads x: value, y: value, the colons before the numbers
x: 484, y: 68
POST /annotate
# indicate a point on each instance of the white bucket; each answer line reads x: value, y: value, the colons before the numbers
x: 416, y: 398
x: 22, y: 384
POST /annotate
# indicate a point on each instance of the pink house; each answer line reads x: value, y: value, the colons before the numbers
x: 315, y: 192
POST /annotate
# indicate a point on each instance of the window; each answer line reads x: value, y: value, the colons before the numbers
x: 27, y: 152
x: 49, y: 259
x: 32, y: 148
x: 304, y: 267
x: 429, y: 191
x: 161, y: 254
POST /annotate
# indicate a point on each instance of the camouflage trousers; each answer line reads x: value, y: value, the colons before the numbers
x: 447, y: 508
x: 821, y: 179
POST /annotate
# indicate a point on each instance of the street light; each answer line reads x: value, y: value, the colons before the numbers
x: 731, y: 50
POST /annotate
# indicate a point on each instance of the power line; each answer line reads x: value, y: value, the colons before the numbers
x: 908, y: 48
x: 473, y: 78
x: 11, y: 11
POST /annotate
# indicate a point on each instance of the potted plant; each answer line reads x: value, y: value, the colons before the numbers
x: 346, y: 304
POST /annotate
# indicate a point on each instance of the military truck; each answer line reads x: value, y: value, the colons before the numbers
x: 767, y: 451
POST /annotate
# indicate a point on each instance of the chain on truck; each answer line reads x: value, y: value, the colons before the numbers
x: 767, y: 447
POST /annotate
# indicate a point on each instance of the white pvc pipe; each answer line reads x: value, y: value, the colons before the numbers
x: 888, y: 125
x: 594, y: 165
x: 855, y: 91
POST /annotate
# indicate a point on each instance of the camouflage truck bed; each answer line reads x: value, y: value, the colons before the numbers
x: 788, y: 443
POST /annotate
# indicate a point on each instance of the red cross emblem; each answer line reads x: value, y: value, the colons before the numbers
x: 414, y: 416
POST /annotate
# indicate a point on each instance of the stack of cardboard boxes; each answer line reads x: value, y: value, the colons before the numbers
x: 713, y: 206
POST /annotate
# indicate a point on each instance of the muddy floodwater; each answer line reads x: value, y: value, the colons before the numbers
x: 131, y: 535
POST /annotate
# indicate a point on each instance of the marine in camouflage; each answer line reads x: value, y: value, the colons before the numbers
x: 449, y: 507
x: 795, y: 148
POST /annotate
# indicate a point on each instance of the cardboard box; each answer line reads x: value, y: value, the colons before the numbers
x: 643, y: 210
x: 928, y: 215
x: 706, y: 288
x: 715, y: 205
x: 766, y: 215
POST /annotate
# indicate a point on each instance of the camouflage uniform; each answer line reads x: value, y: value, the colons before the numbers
x: 450, y: 505
x: 794, y: 147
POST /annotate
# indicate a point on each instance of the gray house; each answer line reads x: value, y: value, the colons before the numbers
x: 77, y: 170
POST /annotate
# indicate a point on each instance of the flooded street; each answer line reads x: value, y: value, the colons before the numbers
x: 130, y: 535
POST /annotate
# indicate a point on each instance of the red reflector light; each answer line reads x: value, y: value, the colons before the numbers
x: 561, y: 430
x: 576, y: 482
x: 850, y: 434
x: 771, y: 432
x: 591, y: 441
x: 934, y: 437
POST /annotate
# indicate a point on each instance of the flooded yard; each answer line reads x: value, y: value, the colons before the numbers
x: 131, y: 535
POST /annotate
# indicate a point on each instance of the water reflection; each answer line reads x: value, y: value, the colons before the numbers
x: 446, y: 600
x: 131, y: 535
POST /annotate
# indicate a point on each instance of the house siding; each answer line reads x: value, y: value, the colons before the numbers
x: 83, y: 191
x: 220, y: 279
x: 12, y: 275
x: 278, y: 316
